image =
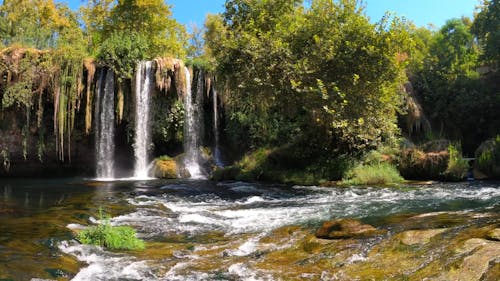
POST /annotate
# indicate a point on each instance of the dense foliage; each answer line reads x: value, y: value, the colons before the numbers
x: 51, y: 57
x: 322, y: 78
x: 457, y: 81
x: 311, y: 83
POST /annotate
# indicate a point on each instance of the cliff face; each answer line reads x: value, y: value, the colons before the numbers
x: 48, y: 114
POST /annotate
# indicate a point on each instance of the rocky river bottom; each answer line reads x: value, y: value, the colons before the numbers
x: 204, y: 230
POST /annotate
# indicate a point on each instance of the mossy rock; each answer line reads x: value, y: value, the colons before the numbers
x: 345, y: 228
x: 494, y: 235
x: 415, y: 164
x: 414, y: 237
x: 480, y: 257
x: 487, y: 160
x: 165, y: 168
x: 225, y: 173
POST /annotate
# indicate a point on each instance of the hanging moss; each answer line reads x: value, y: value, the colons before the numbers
x: 180, y: 80
x: 90, y: 67
x: 164, y: 68
x: 120, y: 101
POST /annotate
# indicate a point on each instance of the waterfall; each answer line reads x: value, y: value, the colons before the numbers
x: 217, y: 154
x: 142, y: 139
x: 191, y: 127
x: 105, y: 125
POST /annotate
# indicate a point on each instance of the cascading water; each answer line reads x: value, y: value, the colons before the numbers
x: 217, y: 154
x: 105, y: 125
x: 143, y: 86
x: 191, y: 128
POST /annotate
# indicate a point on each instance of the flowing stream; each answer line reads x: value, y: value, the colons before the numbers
x: 197, y: 229
x: 142, y: 140
x: 105, y: 126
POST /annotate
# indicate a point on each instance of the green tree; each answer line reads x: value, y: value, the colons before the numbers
x: 151, y: 19
x: 321, y: 75
x: 32, y: 23
x: 487, y: 29
x: 137, y: 30
x: 94, y: 15
x: 461, y: 105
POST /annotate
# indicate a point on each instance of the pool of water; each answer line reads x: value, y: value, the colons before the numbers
x: 194, y: 230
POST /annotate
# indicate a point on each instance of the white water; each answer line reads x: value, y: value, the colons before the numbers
x: 142, y: 139
x: 105, y: 126
x: 217, y: 153
x: 191, y: 128
x: 248, y: 212
x: 104, y: 265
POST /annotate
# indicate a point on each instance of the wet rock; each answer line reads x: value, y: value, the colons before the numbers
x: 435, y: 220
x: 494, y: 234
x: 345, y: 228
x: 413, y: 237
x: 480, y: 258
x: 165, y: 168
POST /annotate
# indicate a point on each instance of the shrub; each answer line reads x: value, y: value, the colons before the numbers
x: 417, y: 164
x: 488, y: 157
x: 378, y: 174
x: 111, y: 237
x: 457, y: 166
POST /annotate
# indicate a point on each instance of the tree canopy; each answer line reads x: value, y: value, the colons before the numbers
x: 321, y: 74
x: 315, y: 75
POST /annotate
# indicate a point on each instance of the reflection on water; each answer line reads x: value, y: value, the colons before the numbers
x: 230, y: 218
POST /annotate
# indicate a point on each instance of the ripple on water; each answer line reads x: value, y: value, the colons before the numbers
x: 103, y: 265
x: 257, y: 211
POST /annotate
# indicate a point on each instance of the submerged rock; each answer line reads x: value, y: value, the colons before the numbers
x: 494, y: 234
x: 481, y: 257
x: 345, y: 228
x: 413, y: 237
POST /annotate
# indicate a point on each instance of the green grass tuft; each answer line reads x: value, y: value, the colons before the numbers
x: 111, y: 237
x: 375, y: 174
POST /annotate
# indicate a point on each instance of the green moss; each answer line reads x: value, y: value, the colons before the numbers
x: 165, y: 168
x: 488, y: 157
x: 376, y: 174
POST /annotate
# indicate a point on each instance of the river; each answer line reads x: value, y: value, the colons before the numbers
x: 197, y: 229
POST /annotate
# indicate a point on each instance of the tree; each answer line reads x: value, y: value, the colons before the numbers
x: 460, y: 104
x: 151, y: 19
x: 321, y: 75
x: 32, y: 23
x: 95, y: 16
x: 487, y: 29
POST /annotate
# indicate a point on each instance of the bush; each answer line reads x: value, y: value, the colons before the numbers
x: 378, y: 174
x: 111, y: 237
x: 122, y: 51
x: 488, y: 157
x: 457, y: 166
x: 416, y: 164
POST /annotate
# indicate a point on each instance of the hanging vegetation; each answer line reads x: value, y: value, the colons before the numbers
x: 90, y: 67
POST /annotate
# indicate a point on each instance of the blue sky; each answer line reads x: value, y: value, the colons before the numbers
x: 421, y: 12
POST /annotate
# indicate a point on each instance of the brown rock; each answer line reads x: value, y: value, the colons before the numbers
x: 413, y: 237
x: 494, y: 234
x: 345, y: 228
x: 481, y: 255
